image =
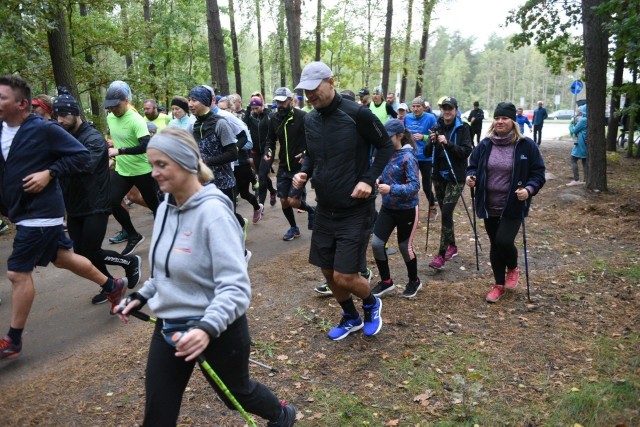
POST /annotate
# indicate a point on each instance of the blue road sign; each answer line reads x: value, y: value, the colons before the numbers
x: 576, y: 87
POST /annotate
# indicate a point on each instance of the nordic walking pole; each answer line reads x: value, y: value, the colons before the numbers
x: 175, y: 337
x: 464, y: 203
x: 526, y: 260
x: 475, y: 232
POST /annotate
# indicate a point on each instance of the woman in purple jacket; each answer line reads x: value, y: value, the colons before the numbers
x: 506, y: 169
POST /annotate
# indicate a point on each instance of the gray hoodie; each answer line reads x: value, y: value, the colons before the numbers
x: 197, y: 262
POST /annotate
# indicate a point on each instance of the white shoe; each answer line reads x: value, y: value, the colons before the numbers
x: 575, y: 183
x: 247, y: 256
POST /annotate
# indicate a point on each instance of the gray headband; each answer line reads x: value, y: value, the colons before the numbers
x: 179, y: 152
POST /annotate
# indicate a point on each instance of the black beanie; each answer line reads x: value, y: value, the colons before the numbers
x: 65, y: 103
x: 505, y: 109
x: 181, y: 102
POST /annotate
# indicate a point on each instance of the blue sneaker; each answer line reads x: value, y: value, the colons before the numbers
x: 372, y: 318
x: 292, y: 233
x: 121, y: 236
x: 345, y: 327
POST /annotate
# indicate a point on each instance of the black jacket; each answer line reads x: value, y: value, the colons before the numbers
x: 88, y: 193
x: 259, y: 128
x: 340, y: 140
x: 479, y: 117
x: 528, y: 172
x: 289, y: 131
x: 458, y: 148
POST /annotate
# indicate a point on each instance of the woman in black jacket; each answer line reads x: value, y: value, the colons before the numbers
x: 450, y: 144
x: 506, y: 169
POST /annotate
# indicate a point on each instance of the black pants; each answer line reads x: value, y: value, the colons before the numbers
x: 230, y: 193
x: 476, y: 133
x: 537, y: 134
x: 448, y: 195
x: 167, y: 377
x: 120, y: 186
x: 503, y: 253
x: 244, y: 176
x: 264, y: 168
x: 405, y: 221
x: 425, y: 171
x: 87, y: 233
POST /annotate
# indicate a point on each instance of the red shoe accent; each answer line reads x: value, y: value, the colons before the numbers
x: 496, y: 293
x: 512, y: 278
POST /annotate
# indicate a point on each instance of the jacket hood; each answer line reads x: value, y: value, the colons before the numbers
x: 583, y: 108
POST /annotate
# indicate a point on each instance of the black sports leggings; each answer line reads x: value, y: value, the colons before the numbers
x: 425, y: 171
x: 405, y: 222
x: 503, y: 254
x: 120, y: 186
x: 230, y: 193
x: 244, y: 175
x: 167, y: 376
x: 87, y: 233
x: 264, y: 168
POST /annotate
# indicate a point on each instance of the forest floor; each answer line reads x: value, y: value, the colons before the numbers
x: 569, y: 355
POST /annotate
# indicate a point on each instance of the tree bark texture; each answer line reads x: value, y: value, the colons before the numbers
x: 614, y: 104
x: 386, y: 56
x: 260, y: 52
x: 405, y: 56
x: 319, y: 31
x: 424, y: 43
x: 217, y: 56
x: 94, y: 95
x: 595, y: 59
x: 234, y: 48
x: 293, y: 11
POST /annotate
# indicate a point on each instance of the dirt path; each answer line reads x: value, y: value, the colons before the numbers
x: 447, y: 341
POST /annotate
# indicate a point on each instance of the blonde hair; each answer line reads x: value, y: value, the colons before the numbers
x: 183, y: 137
x: 517, y: 135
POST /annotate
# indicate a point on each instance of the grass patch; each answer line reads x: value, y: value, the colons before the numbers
x: 611, y: 396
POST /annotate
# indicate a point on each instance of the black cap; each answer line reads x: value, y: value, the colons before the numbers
x: 505, y: 109
x: 363, y: 92
x: 452, y: 102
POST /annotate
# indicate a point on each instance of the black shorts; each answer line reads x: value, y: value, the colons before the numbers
x: 284, y: 184
x: 339, y: 241
x: 36, y: 246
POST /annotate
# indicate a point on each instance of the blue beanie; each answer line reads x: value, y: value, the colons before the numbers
x: 65, y: 103
x: 202, y: 95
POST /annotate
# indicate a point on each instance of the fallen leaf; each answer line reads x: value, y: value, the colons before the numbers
x: 392, y: 423
x: 282, y: 357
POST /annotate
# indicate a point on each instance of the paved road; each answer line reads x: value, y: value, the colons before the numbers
x: 63, y: 320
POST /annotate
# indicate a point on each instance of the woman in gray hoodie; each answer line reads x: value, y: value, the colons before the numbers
x: 199, y: 283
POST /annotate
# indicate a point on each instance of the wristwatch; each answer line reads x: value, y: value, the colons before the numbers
x: 53, y: 174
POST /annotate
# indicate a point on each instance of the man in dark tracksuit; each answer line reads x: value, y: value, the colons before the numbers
x: 340, y: 136
x: 86, y: 196
x: 287, y: 127
x: 257, y: 119
x: 476, y: 116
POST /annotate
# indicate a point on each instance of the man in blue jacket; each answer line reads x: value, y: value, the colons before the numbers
x: 35, y: 153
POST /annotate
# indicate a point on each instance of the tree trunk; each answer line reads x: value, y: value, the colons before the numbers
x: 424, y: 43
x: 405, y: 56
x: 367, y: 68
x: 614, y: 105
x: 319, y: 30
x: 386, y: 56
x: 260, y: 53
x: 234, y: 49
x: 217, y: 56
x: 94, y: 94
x: 58, y: 38
x: 280, y: 53
x: 633, y: 114
x: 595, y: 60
x: 153, y: 87
x: 293, y: 11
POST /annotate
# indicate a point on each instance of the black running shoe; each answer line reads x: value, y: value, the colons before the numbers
x: 132, y: 244
x: 133, y: 272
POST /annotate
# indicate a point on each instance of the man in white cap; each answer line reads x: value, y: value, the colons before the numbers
x: 340, y: 136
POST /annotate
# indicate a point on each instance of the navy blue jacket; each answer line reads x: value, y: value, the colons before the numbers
x: 528, y: 172
x: 39, y: 145
x: 458, y: 148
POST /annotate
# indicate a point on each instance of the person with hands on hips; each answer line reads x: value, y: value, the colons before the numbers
x: 450, y: 145
x: 199, y: 285
x: 506, y: 169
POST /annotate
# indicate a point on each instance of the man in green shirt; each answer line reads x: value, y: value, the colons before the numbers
x: 130, y: 137
x: 152, y: 115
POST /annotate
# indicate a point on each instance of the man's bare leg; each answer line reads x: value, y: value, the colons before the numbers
x: 23, y: 293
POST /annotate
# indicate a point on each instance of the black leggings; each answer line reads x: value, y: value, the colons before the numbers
x: 425, y: 171
x: 230, y: 193
x: 167, y: 377
x: 503, y: 254
x: 405, y: 221
x: 244, y: 176
x: 264, y: 168
x: 87, y: 233
x: 120, y: 186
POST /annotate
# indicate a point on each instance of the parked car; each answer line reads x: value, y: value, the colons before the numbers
x: 528, y: 114
x: 561, y: 115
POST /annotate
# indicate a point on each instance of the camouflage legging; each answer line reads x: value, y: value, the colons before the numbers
x: 447, y: 194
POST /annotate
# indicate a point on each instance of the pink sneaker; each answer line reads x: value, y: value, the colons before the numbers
x: 257, y: 214
x: 451, y: 252
x: 496, y: 293
x: 512, y: 278
x: 437, y: 263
